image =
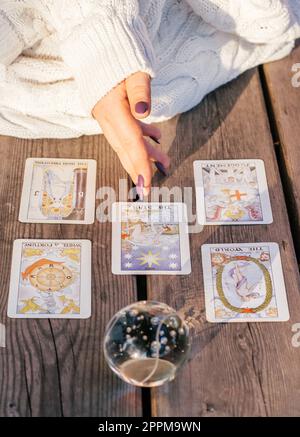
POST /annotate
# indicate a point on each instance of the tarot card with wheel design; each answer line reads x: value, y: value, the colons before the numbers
x: 50, y: 279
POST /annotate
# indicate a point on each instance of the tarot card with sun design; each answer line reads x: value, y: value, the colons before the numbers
x: 244, y: 283
x: 232, y: 192
x: 150, y: 238
x: 50, y: 279
x: 58, y: 191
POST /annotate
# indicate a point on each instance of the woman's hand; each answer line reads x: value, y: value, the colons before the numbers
x: 119, y: 114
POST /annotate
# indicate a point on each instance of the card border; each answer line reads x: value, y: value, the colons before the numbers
x: 184, y: 244
x: 277, y: 282
x: 262, y: 186
x: 85, y: 281
x: 90, y: 189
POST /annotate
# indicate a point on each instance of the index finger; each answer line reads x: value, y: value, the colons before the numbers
x: 128, y: 138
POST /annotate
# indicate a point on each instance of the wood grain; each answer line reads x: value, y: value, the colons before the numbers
x: 57, y: 368
x: 285, y: 103
x: 234, y: 369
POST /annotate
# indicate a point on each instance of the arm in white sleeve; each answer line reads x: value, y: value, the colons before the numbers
x: 103, y: 42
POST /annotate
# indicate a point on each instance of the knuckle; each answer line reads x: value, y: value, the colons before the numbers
x: 140, y: 91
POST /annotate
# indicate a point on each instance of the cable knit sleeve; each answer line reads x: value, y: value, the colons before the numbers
x: 257, y: 21
x: 11, y: 44
x: 21, y: 27
x: 103, y: 42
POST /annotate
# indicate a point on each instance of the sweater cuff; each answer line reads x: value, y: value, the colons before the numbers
x: 11, y: 44
x: 104, y: 51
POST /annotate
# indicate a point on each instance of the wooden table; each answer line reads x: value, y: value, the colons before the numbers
x: 57, y: 368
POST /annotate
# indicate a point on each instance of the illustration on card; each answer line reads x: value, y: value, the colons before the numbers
x: 58, y: 191
x: 49, y: 280
x: 231, y: 193
x: 150, y: 240
x: 242, y: 284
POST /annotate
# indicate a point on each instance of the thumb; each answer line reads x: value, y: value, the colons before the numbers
x: 139, y: 94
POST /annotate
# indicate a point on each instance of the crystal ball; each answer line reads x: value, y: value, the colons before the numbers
x: 146, y: 343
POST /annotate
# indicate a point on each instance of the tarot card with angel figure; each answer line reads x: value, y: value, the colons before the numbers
x: 244, y: 283
x: 58, y: 191
x: 150, y: 238
x: 232, y: 192
x: 50, y: 279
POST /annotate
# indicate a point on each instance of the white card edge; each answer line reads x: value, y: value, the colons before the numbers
x: 12, y: 297
x: 274, y: 249
x: 90, y: 188
x: 116, y: 248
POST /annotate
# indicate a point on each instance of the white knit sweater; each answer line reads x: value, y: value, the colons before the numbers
x: 59, y: 57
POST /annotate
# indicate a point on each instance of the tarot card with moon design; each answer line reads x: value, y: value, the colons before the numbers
x: 150, y: 238
x: 50, y: 279
x: 232, y: 192
x: 244, y: 283
x: 58, y: 191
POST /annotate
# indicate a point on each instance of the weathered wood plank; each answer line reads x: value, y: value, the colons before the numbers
x: 54, y: 368
x: 234, y: 369
x: 285, y: 102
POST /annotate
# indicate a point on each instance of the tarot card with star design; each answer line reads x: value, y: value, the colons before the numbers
x: 58, y: 191
x: 232, y: 192
x: 50, y: 279
x: 150, y: 238
x: 244, y: 283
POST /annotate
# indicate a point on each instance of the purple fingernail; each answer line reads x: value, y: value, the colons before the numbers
x: 161, y: 168
x: 141, y: 107
x: 140, y: 187
x: 154, y: 139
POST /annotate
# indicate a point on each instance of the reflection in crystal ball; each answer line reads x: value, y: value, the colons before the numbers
x: 146, y: 343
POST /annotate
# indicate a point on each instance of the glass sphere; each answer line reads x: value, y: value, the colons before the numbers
x: 146, y: 343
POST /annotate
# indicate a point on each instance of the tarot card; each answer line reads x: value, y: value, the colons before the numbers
x: 232, y: 192
x: 150, y: 238
x: 244, y: 283
x: 58, y: 191
x: 50, y: 279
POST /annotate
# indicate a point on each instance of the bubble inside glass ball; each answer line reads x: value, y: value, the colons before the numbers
x: 146, y: 343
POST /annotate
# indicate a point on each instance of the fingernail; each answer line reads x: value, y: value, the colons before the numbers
x: 154, y: 139
x: 141, y: 107
x: 140, y: 187
x: 161, y: 168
